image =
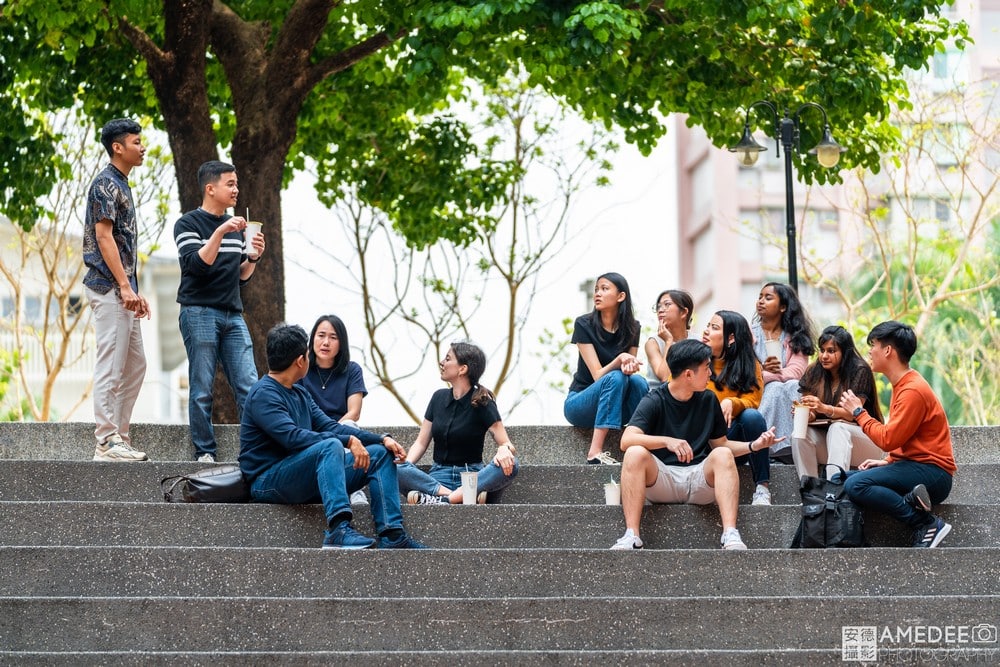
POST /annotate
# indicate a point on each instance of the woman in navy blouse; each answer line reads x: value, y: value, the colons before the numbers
x: 335, y: 382
x: 457, y: 420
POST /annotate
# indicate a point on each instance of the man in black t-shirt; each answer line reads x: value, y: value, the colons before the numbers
x: 676, y: 449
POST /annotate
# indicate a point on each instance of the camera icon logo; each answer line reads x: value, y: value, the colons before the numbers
x: 984, y: 633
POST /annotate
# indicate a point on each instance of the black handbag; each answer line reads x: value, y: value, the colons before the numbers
x: 218, y: 484
x: 829, y: 518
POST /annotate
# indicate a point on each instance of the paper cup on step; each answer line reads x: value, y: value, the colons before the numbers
x: 252, y: 230
x: 801, y: 421
x: 470, y: 484
x: 612, y: 494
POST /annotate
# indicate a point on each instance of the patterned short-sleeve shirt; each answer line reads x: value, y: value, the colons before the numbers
x: 110, y: 198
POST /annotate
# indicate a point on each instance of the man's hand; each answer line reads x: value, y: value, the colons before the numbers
x: 361, y: 458
x: 766, y: 439
x: 850, y: 402
x: 396, y: 449
x: 143, y: 310
x: 681, y: 449
x: 130, y: 300
x: 258, y: 244
x: 872, y: 463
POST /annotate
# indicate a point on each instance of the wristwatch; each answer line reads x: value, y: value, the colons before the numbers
x: 857, y: 411
x: 384, y: 436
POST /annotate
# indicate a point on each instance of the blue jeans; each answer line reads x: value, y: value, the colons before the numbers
x: 210, y: 336
x: 747, y: 427
x: 608, y: 403
x: 882, y: 489
x: 325, y: 473
x: 491, y: 478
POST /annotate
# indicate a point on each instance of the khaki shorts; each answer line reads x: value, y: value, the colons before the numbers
x: 680, y: 484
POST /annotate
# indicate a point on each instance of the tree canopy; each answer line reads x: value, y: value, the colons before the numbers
x: 361, y: 87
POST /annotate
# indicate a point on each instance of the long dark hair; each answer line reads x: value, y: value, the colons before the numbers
x: 739, y: 369
x: 682, y: 300
x: 343, y: 355
x: 855, y: 373
x: 794, y: 320
x: 627, y: 324
x: 471, y: 355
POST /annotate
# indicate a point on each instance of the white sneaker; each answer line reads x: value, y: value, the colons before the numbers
x: 761, y: 495
x: 731, y: 540
x: 205, y: 458
x: 359, y: 498
x: 115, y: 449
x: 604, y: 459
x: 418, y: 498
x: 628, y: 542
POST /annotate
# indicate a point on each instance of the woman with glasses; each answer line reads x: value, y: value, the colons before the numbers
x: 607, y: 385
x: 673, y: 309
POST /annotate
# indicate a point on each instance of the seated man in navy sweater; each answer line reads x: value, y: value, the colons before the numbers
x: 291, y: 452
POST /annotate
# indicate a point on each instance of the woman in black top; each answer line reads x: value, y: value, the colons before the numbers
x: 457, y: 420
x: 607, y: 385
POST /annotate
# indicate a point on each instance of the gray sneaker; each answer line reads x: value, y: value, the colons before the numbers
x: 115, y: 449
x: 359, y: 498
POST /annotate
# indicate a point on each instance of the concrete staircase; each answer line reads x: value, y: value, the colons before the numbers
x: 95, y: 569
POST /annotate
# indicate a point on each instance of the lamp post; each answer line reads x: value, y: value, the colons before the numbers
x: 827, y: 153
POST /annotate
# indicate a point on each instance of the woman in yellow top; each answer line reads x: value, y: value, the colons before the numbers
x: 738, y: 384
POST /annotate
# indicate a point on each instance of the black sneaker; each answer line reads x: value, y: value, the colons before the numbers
x: 345, y: 537
x: 918, y: 498
x: 930, y: 536
x: 403, y: 542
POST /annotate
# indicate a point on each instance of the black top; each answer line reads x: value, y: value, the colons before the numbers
x: 458, y: 428
x: 218, y: 284
x: 696, y: 420
x: 607, y: 345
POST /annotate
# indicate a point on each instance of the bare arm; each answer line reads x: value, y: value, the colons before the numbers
x: 420, y: 445
x: 353, y: 407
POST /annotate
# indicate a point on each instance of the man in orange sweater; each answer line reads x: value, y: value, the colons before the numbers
x: 918, y: 470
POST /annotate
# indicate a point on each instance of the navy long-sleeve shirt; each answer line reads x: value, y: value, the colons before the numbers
x: 278, y: 421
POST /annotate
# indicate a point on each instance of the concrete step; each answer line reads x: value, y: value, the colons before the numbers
x: 186, y: 572
x: 31, y: 523
x: 248, y: 624
x: 535, y: 444
x: 544, y: 484
x: 448, y: 658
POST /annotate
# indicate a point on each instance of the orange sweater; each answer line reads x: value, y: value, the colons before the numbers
x: 741, y: 402
x: 917, y: 428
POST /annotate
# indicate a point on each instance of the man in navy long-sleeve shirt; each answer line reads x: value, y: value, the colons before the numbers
x: 291, y: 452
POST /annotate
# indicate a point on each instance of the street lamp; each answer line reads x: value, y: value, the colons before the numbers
x: 827, y: 153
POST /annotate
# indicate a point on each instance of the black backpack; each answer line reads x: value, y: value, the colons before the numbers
x: 218, y: 484
x: 829, y: 518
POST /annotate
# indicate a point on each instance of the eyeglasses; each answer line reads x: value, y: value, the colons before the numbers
x: 663, y: 305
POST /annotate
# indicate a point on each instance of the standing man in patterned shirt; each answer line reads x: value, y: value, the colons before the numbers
x: 110, y: 239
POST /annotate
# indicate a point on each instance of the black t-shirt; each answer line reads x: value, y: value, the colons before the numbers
x: 458, y: 428
x: 696, y: 420
x: 607, y: 349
